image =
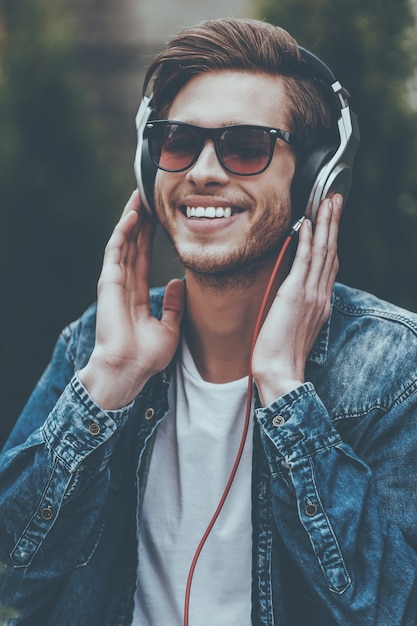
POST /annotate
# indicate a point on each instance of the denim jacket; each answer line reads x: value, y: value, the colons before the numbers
x: 334, y: 499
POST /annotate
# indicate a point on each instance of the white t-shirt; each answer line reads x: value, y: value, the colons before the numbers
x: 194, y: 452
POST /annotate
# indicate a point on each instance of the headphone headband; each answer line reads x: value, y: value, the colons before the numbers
x: 319, y: 67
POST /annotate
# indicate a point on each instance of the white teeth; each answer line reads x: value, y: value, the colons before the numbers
x: 210, y: 211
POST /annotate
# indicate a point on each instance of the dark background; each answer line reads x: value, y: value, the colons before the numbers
x: 67, y: 141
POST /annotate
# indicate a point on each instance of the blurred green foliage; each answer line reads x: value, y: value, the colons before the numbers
x: 372, y: 48
x: 59, y: 192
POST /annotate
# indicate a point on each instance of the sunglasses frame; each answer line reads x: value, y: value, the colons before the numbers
x: 214, y: 135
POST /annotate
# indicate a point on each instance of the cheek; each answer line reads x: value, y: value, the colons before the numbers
x: 159, y: 185
x: 279, y: 188
x: 163, y: 191
x: 159, y: 205
x: 284, y: 171
x: 275, y: 188
x: 277, y: 178
x: 167, y: 187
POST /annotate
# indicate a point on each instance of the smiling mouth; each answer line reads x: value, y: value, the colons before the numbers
x: 210, y: 212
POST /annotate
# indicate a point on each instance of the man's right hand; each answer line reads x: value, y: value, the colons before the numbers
x: 131, y: 345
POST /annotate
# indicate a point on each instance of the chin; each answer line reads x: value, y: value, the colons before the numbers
x: 233, y: 264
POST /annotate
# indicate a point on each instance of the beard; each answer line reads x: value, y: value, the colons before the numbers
x: 238, y: 266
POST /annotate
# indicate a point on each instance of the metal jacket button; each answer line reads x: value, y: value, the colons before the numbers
x: 278, y: 420
x: 47, y: 513
x: 94, y: 429
x: 311, y: 509
x: 149, y: 413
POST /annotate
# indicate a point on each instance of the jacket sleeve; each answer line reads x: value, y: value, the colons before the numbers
x: 53, y: 479
x: 347, y: 516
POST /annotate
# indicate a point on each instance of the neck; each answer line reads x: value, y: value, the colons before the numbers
x: 221, y: 319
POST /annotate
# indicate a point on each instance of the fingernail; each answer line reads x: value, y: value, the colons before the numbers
x: 338, y: 200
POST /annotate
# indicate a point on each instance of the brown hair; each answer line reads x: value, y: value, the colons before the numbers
x: 249, y: 45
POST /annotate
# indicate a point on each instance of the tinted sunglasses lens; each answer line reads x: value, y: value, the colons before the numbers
x: 245, y: 150
x: 173, y: 146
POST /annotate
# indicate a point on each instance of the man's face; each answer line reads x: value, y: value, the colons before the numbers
x: 256, y: 209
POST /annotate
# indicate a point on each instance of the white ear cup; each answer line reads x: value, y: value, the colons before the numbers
x: 145, y: 170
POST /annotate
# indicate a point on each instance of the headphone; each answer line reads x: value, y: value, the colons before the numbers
x: 324, y: 170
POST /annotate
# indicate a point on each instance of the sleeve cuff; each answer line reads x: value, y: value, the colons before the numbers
x: 298, y: 424
x: 77, y: 425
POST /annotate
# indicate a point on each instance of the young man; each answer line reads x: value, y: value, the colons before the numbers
x: 111, y: 479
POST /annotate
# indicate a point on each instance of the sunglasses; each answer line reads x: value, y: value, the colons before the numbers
x: 245, y: 150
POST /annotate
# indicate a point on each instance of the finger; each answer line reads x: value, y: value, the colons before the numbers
x: 332, y: 260
x: 332, y: 263
x: 324, y: 296
x: 115, y: 248
x: 337, y: 203
x: 132, y: 259
x: 302, y: 260
x: 174, y: 304
x: 133, y: 204
x: 324, y: 248
x: 332, y: 275
x: 131, y: 244
x: 326, y: 263
x: 140, y: 252
x: 321, y: 235
x: 124, y: 226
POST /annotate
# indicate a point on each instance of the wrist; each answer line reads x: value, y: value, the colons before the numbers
x: 111, y: 386
x: 270, y: 387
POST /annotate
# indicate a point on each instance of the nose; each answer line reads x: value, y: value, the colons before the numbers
x: 207, y: 169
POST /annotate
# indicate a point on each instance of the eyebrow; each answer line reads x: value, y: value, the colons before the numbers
x: 225, y: 123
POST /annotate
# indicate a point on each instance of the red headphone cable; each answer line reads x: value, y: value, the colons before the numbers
x: 232, y: 475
